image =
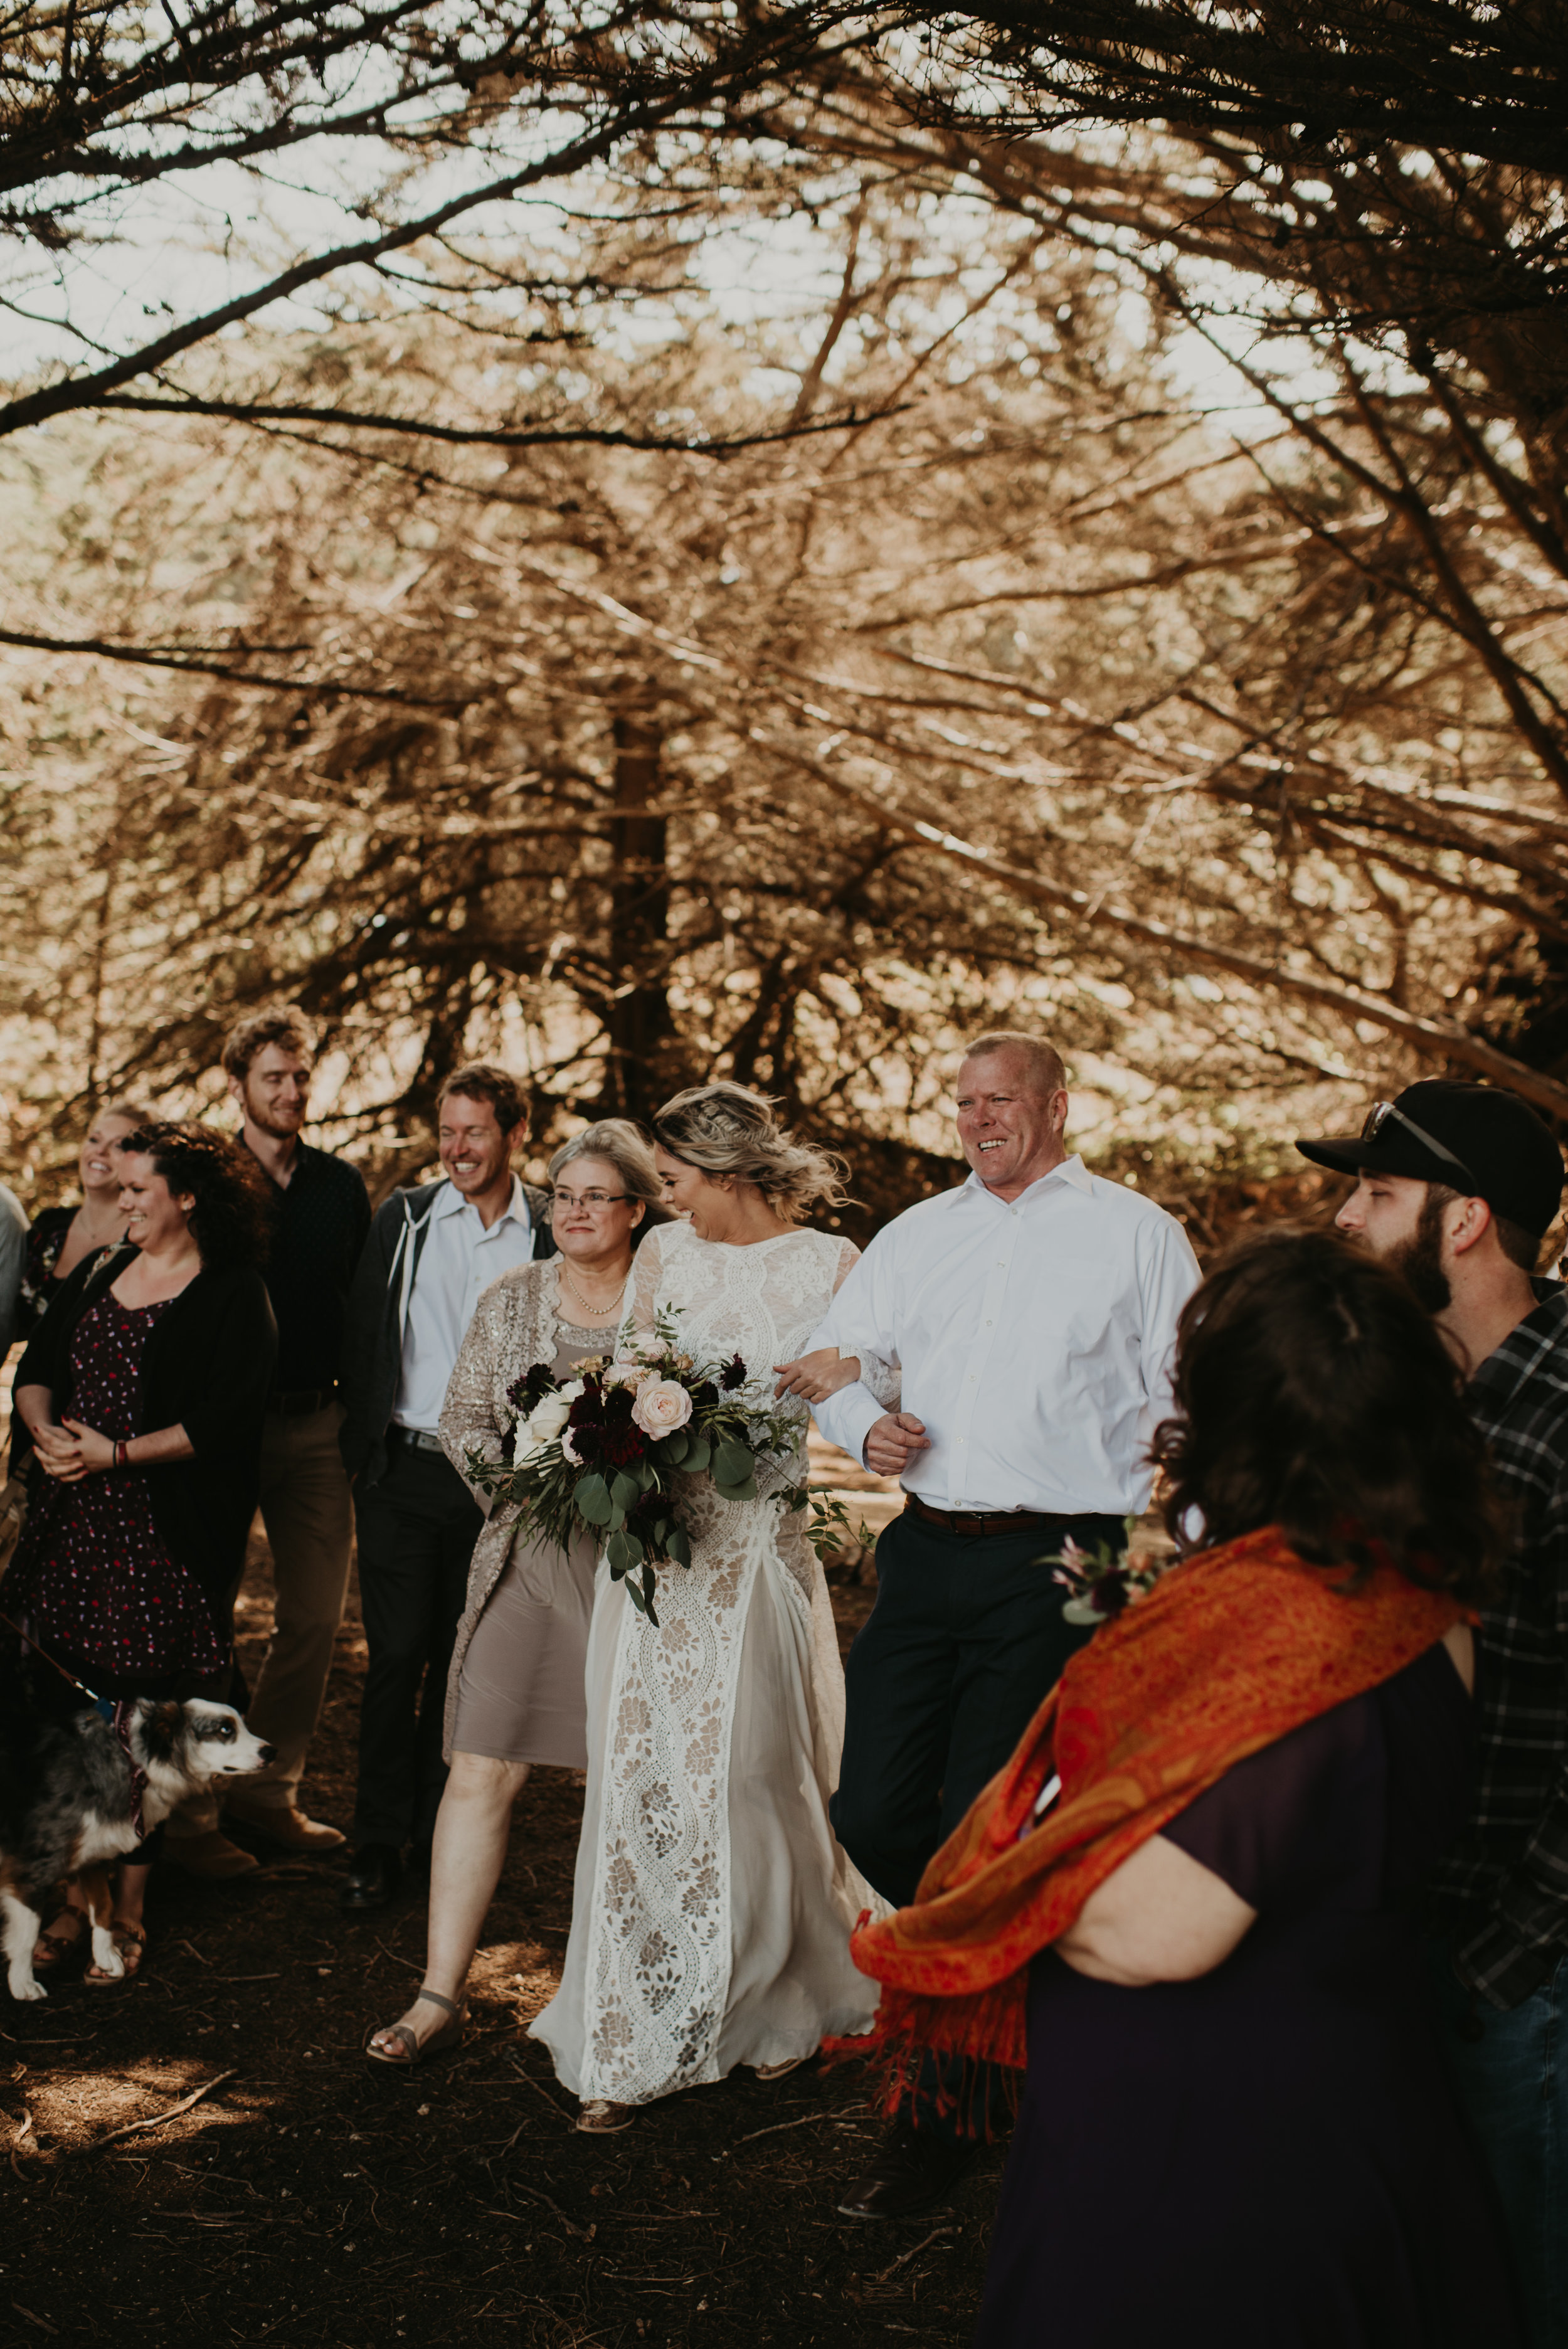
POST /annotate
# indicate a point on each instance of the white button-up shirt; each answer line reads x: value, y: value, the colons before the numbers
x: 456, y: 1265
x: 1034, y: 1339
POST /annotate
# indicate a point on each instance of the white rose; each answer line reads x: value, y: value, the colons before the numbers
x: 547, y: 1419
x: 661, y: 1407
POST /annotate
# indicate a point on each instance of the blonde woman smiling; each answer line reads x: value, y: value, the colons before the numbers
x: 712, y: 1907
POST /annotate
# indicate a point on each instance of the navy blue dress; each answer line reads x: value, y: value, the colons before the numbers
x: 1270, y: 2154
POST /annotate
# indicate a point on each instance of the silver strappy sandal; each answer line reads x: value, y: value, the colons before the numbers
x: 439, y: 2042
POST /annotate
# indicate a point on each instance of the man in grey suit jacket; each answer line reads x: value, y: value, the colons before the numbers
x: 431, y: 1252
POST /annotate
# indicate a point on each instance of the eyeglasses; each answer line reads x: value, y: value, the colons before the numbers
x: 591, y: 1200
x: 1378, y: 1117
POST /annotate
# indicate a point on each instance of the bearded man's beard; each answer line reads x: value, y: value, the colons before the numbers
x: 267, y: 1122
x: 1419, y: 1259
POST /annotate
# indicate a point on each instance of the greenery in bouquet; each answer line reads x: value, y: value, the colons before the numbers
x: 606, y: 1448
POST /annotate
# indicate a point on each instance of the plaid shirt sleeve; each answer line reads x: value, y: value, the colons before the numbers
x: 1517, y: 1925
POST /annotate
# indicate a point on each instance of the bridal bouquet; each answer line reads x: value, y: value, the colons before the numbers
x: 602, y: 1449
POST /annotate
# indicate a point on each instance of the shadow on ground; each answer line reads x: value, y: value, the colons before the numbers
x: 309, y: 2198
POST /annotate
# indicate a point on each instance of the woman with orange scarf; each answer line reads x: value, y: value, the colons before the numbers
x: 1184, y: 1905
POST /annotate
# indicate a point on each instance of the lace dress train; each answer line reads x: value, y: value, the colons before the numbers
x: 712, y: 1905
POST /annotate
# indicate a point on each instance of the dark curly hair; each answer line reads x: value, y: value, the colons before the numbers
x: 230, y: 1223
x: 1315, y: 1393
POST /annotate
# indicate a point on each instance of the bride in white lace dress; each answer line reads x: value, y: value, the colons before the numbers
x: 712, y: 1905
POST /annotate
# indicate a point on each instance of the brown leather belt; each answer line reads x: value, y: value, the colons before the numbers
x: 296, y: 1403
x: 975, y: 1524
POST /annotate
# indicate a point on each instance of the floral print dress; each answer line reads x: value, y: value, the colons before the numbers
x: 92, y: 1580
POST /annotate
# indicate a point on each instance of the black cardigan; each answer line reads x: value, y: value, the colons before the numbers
x: 208, y: 1368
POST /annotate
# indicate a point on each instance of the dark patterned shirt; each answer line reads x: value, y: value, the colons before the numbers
x: 1503, y: 1892
x: 319, y: 1223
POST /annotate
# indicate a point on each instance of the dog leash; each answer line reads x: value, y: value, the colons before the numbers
x: 115, y: 1711
x: 101, y: 1705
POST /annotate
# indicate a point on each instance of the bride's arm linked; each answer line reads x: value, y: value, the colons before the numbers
x: 816, y: 1376
x: 826, y: 1371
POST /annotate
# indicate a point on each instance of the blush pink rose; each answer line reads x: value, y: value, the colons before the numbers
x: 661, y: 1407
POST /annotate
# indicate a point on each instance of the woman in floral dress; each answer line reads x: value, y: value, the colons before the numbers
x: 144, y: 1392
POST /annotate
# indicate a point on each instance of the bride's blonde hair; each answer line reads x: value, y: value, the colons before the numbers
x: 724, y: 1129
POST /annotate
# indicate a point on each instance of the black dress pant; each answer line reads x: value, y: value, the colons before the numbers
x: 965, y: 1641
x: 417, y: 1529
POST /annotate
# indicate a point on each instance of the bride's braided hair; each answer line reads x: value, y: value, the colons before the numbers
x: 725, y: 1129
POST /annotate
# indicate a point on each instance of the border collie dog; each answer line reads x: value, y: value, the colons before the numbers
x: 75, y: 1796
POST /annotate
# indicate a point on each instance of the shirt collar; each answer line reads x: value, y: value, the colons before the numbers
x: 1526, y: 1345
x: 450, y: 1201
x: 1072, y: 1172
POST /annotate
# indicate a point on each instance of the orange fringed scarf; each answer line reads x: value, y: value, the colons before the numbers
x: 1231, y: 1650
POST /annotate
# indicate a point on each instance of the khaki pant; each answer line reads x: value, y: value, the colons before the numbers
x: 307, y: 1509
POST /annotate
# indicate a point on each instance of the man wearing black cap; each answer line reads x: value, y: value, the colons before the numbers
x: 1457, y: 1185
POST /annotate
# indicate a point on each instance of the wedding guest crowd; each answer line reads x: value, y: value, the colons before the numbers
x: 1249, y: 1897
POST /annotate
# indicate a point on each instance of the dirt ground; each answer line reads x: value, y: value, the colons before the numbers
x: 312, y: 2198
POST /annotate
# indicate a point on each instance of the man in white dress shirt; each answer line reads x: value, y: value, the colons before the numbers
x: 1032, y: 1316
x: 431, y: 1254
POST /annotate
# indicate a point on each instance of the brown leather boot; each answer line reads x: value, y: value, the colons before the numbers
x: 212, y: 1856
x: 285, y: 1824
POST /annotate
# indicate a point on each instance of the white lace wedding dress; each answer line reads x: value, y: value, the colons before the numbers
x: 712, y: 1906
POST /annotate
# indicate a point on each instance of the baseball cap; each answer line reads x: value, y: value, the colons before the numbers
x: 1476, y: 1139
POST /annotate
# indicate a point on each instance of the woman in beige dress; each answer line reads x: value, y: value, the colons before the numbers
x: 515, y: 1695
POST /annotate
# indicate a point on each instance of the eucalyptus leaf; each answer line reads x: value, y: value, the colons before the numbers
x: 698, y: 1457
x: 732, y: 1464
x: 674, y: 1448
x: 746, y: 1490
x: 625, y: 1490
x: 640, y: 1591
x: 619, y: 1554
x: 678, y: 1547
x: 592, y: 1497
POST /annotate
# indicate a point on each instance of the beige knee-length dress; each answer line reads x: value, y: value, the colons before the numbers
x: 516, y: 1686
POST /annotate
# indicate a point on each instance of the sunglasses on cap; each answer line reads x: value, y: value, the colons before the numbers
x: 1378, y: 1117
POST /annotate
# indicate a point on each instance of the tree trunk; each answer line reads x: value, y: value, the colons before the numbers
x: 639, y: 1073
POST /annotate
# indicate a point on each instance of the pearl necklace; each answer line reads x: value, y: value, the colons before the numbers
x: 594, y: 1312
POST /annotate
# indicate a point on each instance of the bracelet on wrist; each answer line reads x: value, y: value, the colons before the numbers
x: 122, y: 1455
